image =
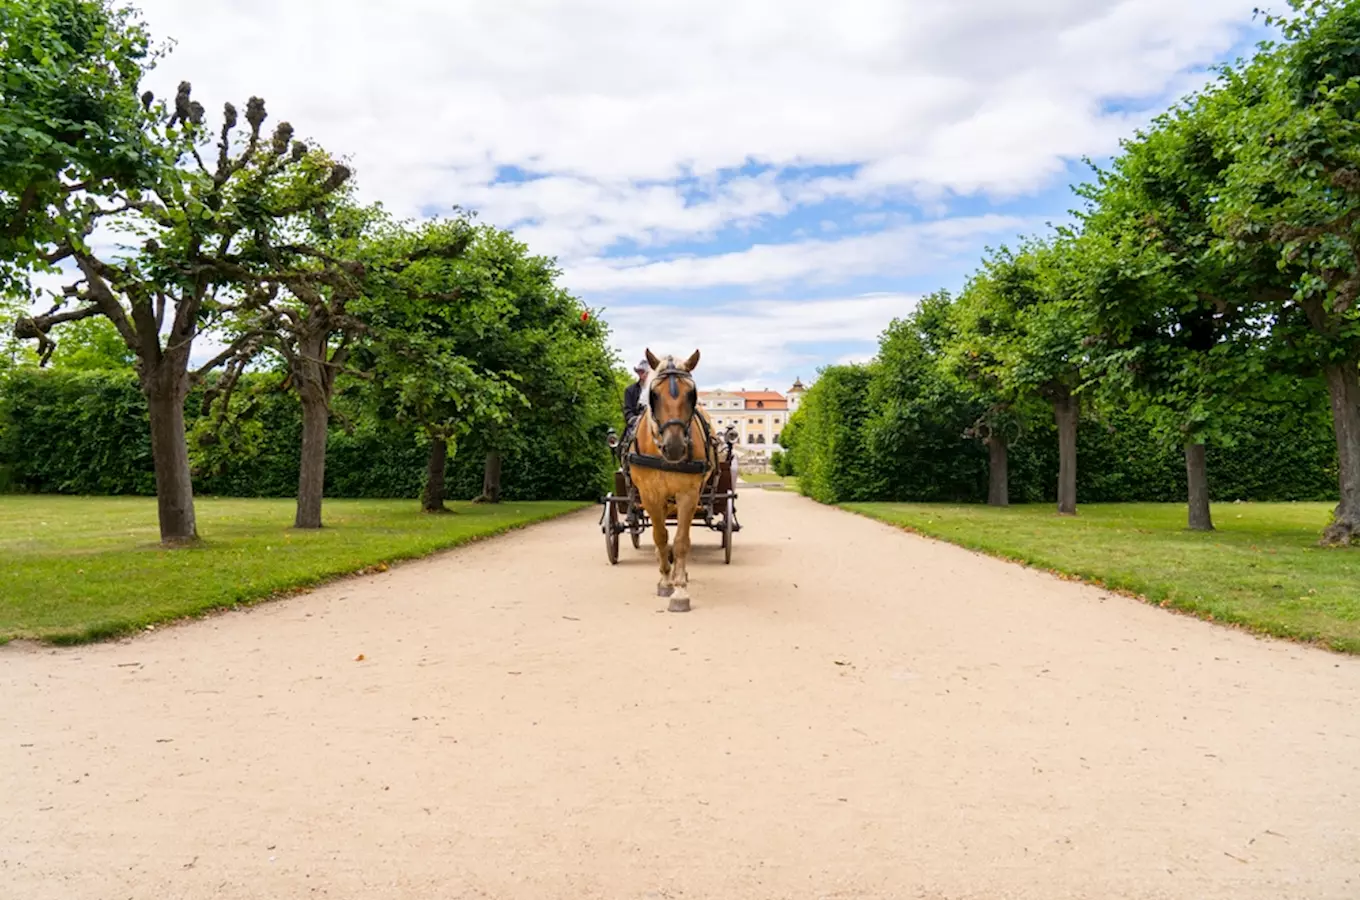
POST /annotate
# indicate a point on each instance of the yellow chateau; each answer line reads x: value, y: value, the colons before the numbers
x: 759, y: 416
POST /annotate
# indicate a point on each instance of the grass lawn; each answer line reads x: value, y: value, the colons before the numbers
x: 768, y: 478
x: 76, y: 569
x: 1262, y: 569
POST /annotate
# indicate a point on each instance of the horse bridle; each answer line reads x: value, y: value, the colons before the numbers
x: 673, y: 373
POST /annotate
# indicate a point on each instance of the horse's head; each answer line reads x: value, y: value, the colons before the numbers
x: 672, y: 398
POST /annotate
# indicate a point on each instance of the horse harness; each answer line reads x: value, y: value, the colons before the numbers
x: 672, y: 374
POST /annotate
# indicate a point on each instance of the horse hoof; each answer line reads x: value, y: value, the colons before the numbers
x: 664, y: 590
x: 679, y: 604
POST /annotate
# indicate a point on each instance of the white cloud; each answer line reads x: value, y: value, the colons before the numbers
x: 905, y: 250
x: 615, y: 100
x: 757, y: 344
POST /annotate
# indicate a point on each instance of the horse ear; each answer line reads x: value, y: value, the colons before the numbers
x: 652, y: 360
x: 692, y: 362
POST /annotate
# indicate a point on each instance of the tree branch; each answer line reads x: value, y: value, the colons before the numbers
x: 99, y: 292
x: 250, y: 340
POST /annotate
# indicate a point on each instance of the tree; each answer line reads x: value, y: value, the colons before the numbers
x: 1288, y: 126
x: 71, y: 122
x: 304, y: 271
x: 1022, y: 336
x: 1179, y: 322
x: 427, y: 322
x: 967, y: 359
x: 554, y: 351
x: 191, y: 218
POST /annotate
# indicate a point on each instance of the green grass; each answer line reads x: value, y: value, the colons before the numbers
x: 769, y: 478
x: 76, y: 569
x: 1261, y: 570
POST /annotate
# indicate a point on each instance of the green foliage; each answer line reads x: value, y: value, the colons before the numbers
x: 85, y: 433
x: 897, y: 426
x: 92, y: 345
x: 1287, y: 129
x: 918, y: 411
x: 75, y: 432
x: 69, y: 114
x: 830, y: 453
x: 428, y: 315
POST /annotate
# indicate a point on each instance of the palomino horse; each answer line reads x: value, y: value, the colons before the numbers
x: 673, y: 457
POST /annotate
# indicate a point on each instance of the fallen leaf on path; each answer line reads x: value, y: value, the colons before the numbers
x: 359, y: 658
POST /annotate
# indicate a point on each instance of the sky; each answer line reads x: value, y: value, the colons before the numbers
x: 769, y: 181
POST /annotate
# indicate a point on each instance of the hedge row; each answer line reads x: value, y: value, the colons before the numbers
x: 866, y: 434
x: 74, y: 432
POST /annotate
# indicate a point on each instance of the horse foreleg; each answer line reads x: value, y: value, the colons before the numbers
x: 684, y: 515
x: 661, y: 538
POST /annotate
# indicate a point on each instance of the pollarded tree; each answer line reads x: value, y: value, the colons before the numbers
x: 336, y: 277
x: 191, y: 218
x: 1288, y: 125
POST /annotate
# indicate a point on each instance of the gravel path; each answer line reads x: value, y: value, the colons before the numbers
x: 848, y: 712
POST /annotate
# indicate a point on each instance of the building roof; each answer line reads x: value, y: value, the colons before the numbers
x: 766, y: 399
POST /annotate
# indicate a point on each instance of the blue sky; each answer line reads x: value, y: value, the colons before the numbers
x: 771, y: 181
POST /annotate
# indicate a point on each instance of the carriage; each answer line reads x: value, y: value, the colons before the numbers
x: 717, y: 509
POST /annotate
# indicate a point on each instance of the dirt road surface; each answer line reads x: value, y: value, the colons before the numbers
x: 848, y: 712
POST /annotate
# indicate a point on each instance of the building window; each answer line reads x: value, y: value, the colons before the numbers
x: 750, y: 438
x: 760, y: 404
x: 776, y: 439
x: 776, y: 420
x: 760, y: 439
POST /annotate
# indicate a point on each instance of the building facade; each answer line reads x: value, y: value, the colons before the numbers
x: 758, y: 416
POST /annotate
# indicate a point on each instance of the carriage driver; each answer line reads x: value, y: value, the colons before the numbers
x: 632, y: 399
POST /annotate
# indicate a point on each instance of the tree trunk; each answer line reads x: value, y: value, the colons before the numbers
x: 433, y: 501
x: 1197, y: 485
x: 312, y: 475
x: 1343, y: 384
x: 491, y: 480
x: 170, y: 456
x: 998, y: 472
x: 1066, y: 409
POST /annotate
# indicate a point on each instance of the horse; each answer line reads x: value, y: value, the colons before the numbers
x: 673, y: 458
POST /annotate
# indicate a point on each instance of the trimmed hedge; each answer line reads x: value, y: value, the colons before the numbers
x: 865, y: 434
x: 73, y: 432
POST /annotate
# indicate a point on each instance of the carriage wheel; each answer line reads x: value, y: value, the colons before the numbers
x: 611, y: 534
x: 727, y: 533
x: 635, y: 533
